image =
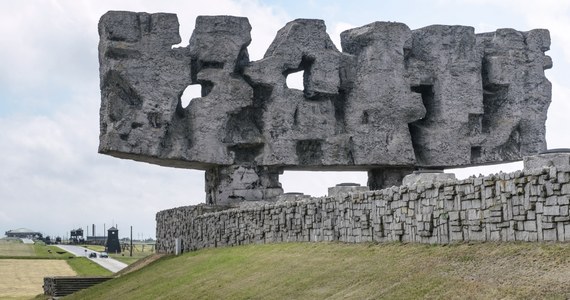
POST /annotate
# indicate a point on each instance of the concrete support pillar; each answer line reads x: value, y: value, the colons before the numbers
x: 382, y: 178
x: 228, y: 185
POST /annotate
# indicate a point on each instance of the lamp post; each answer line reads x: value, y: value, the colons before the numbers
x: 131, y: 241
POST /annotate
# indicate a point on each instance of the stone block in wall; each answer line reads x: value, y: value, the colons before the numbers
x: 553, y: 210
x: 547, y: 225
x: 565, y: 189
x: 504, y: 224
x: 551, y: 201
x: 530, y: 226
x: 510, y: 232
x: 495, y: 236
x: 539, y: 207
x: 517, y: 210
x: 564, y: 200
x: 549, y: 235
x: 567, y: 232
x: 560, y: 232
x: 563, y: 177
x: 519, y: 217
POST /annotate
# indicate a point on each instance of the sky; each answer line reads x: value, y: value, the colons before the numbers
x: 53, y: 180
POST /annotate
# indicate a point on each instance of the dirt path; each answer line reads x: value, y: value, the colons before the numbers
x: 25, y: 277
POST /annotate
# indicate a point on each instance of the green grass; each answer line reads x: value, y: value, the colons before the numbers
x: 10, y: 249
x: 50, y: 252
x: 137, y: 255
x: 15, y: 248
x: 343, y: 271
x: 84, y: 267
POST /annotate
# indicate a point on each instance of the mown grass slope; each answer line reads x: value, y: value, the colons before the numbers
x: 24, y: 266
x: 343, y: 271
x: 23, y: 278
x: 14, y: 248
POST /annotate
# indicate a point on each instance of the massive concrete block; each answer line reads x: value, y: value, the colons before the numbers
x: 445, y: 65
x: 142, y: 79
x: 299, y: 127
x: 394, y: 100
x: 516, y: 94
x: 379, y: 101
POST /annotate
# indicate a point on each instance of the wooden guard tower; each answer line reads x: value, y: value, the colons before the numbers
x: 113, y: 245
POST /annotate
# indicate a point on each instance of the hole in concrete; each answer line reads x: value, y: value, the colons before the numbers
x: 295, y: 80
x: 429, y: 101
x: 417, y: 128
x: 475, y: 154
x: 317, y: 183
x: 191, y: 92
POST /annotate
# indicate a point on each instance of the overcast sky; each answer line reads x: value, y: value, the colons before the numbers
x: 53, y: 180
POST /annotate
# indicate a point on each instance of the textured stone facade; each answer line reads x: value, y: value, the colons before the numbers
x: 393, y: 100
x: 529, y: 205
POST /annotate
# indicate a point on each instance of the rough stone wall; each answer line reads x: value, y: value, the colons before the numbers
x: 521, y: 206
x: 393, y: 100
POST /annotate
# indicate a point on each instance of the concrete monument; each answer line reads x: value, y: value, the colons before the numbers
x: 394, y: 100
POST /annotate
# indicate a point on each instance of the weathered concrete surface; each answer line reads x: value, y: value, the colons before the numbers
x: 394, y: 100
x: 446, y: 69
x: 226, y: 185
x: 379, y: 102
x: 142, y: 80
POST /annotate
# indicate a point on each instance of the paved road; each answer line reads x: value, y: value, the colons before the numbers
x: 110, y: 264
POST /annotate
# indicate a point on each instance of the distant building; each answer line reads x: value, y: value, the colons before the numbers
x: 96, y: 240
x: 76, y: 236
x: 23, y: 233
x: 113, y: 245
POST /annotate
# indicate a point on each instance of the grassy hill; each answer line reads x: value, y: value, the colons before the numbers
x: 351, y: 271
x: 23, y: 267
